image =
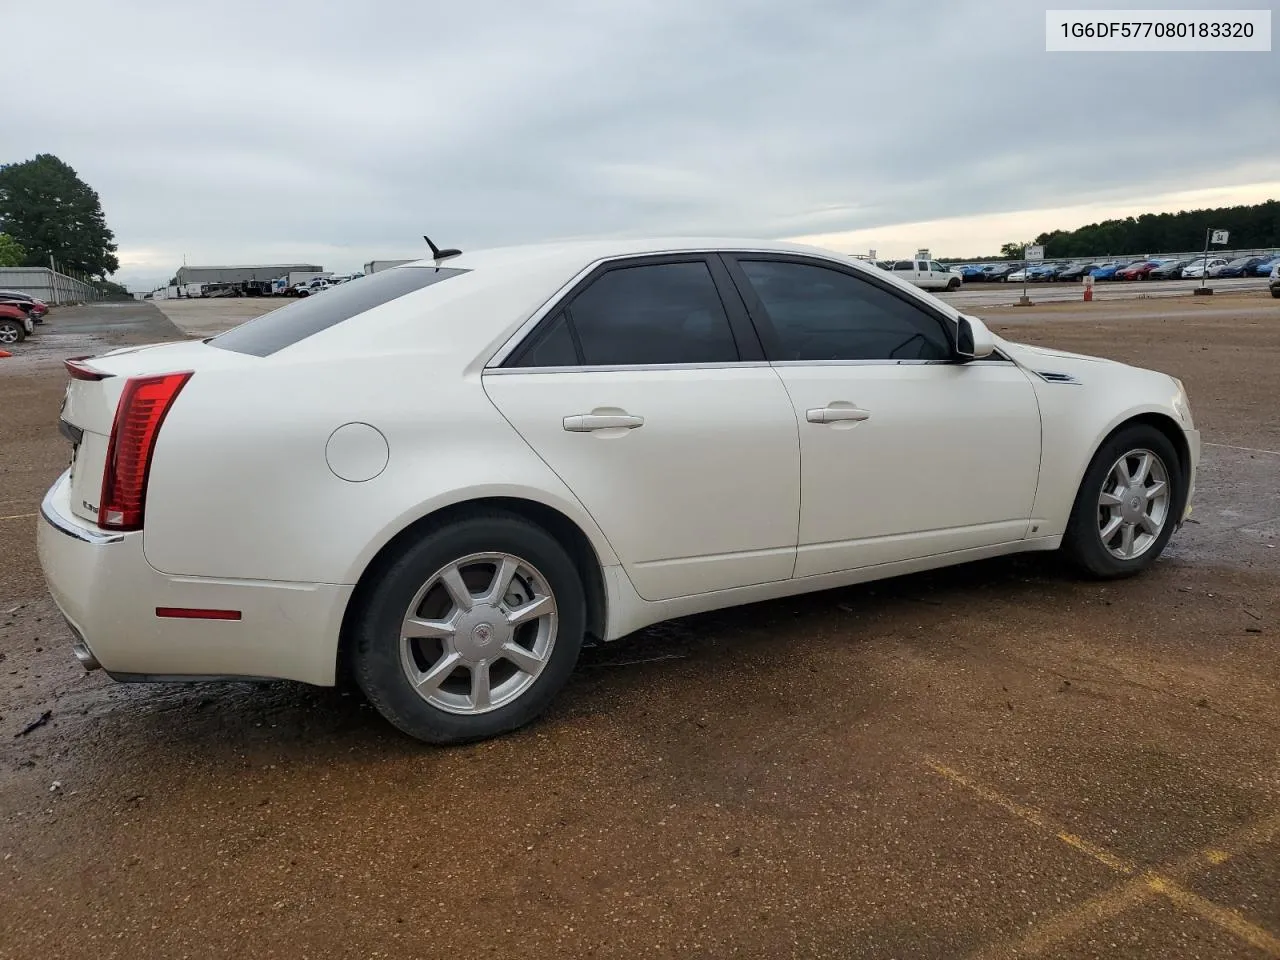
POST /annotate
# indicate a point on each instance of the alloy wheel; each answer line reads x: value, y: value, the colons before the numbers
x: 1133, y: 506
x: 478, y: 633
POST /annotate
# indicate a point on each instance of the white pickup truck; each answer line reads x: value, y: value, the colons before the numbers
x: 927, y: 274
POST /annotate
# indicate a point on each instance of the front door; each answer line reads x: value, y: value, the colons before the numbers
x: 647, y: 392
x: 904, y: 453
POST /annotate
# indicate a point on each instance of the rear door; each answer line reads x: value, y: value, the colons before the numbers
x: 646, y: 390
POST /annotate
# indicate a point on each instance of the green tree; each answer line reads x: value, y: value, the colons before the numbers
x: 12, y: 253
x: 50, y: 211
x: 1011, y: 251
x: 111, y: 289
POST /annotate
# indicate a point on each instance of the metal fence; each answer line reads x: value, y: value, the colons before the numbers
x: 49, y: 285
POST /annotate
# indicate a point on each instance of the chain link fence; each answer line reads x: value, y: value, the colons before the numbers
x: 48, y: 285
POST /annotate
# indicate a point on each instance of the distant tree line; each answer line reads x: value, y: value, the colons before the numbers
x: 1253, y: 226
x: 1257, y: 225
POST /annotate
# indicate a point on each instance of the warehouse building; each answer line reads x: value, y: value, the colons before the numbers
x: 265, y: 272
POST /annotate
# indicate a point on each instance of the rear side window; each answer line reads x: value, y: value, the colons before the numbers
x: 646, y: 314
x: 282, y: 328
x: 655, y: 313
x: 552, y: 347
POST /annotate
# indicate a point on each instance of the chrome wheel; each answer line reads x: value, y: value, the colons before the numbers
x: 1133, y: 506
x: 478, y: 633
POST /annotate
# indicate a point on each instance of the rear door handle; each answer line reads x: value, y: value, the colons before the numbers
x: 587, y: 422
x: 835, y: 414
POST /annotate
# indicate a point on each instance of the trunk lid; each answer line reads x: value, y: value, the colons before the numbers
x: 93, y: 393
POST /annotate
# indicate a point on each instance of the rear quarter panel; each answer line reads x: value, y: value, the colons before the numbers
x: 240, y: 486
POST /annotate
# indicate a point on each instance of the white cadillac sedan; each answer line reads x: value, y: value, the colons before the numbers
x: 445, y: 476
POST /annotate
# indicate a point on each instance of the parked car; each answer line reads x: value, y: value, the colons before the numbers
x: 586, y: 493
x: 1274, y: 283
x: 1264, y: 269
x: 37, y: 308
x: 26, y: 306
x: 971, y: 272
x: 1034, y: 273
x: 15, y: 324
x: 1138, y: 271
x: 1107, y: 271
x: 999, y: 271
x: 1240, y: 267
x: 927, y: 274
x: 1196, y: 268
x: 1075, y: 271
x: 1169, y: 270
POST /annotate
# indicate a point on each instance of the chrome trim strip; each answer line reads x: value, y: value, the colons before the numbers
x: 728, y: 365
x: 65, y: 526
x: 1053, y: 376
x: 629, y: 368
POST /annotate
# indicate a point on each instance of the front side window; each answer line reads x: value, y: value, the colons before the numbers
x: 822, y: 314
x: 652, y: 313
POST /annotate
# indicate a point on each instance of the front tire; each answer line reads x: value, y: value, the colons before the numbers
x: 1128, y: 504
x: 11, y: 332
x: 472, y: 630
x: 953, y: 284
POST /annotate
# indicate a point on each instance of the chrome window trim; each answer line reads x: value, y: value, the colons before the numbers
x: 65, y: 526
x: 512, y: 342
x: 732, y: 365
x: 631, y: 367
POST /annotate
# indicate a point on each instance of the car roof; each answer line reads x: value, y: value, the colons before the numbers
x: 589, y: 251
x: 508, y: 286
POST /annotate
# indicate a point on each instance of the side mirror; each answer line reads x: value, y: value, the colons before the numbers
x: 973, y: 340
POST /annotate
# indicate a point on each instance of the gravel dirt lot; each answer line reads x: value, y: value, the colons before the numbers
x: 995, y: 760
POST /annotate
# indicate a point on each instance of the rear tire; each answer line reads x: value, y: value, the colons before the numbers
x: 440, y: 647
x: 1128, y: 504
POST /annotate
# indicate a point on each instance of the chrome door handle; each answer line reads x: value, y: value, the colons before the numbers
x: 587, y: 422
x: 834, y: 414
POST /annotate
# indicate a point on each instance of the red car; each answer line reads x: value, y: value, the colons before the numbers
x: 15, y: 324
x: 1139, y: 271
x: 34, y: 306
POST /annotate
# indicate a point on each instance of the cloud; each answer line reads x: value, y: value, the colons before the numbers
x: 235, y: 131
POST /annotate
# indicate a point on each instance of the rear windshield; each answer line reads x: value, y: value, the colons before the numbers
x: 286, y: 326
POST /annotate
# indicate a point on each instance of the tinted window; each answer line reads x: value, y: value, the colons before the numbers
x: 284, y: 327
x: 933, y: 265
x: 655, y: 313
x: 823, y: 314
x: 904, y: 265
x: 552, y: 346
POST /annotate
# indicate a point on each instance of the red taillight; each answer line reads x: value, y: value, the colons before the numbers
x: 143, y: 406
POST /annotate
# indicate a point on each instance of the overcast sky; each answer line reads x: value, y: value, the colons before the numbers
x: 338, y: 133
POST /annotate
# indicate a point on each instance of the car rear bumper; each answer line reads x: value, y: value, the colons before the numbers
x: 111, y: 597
